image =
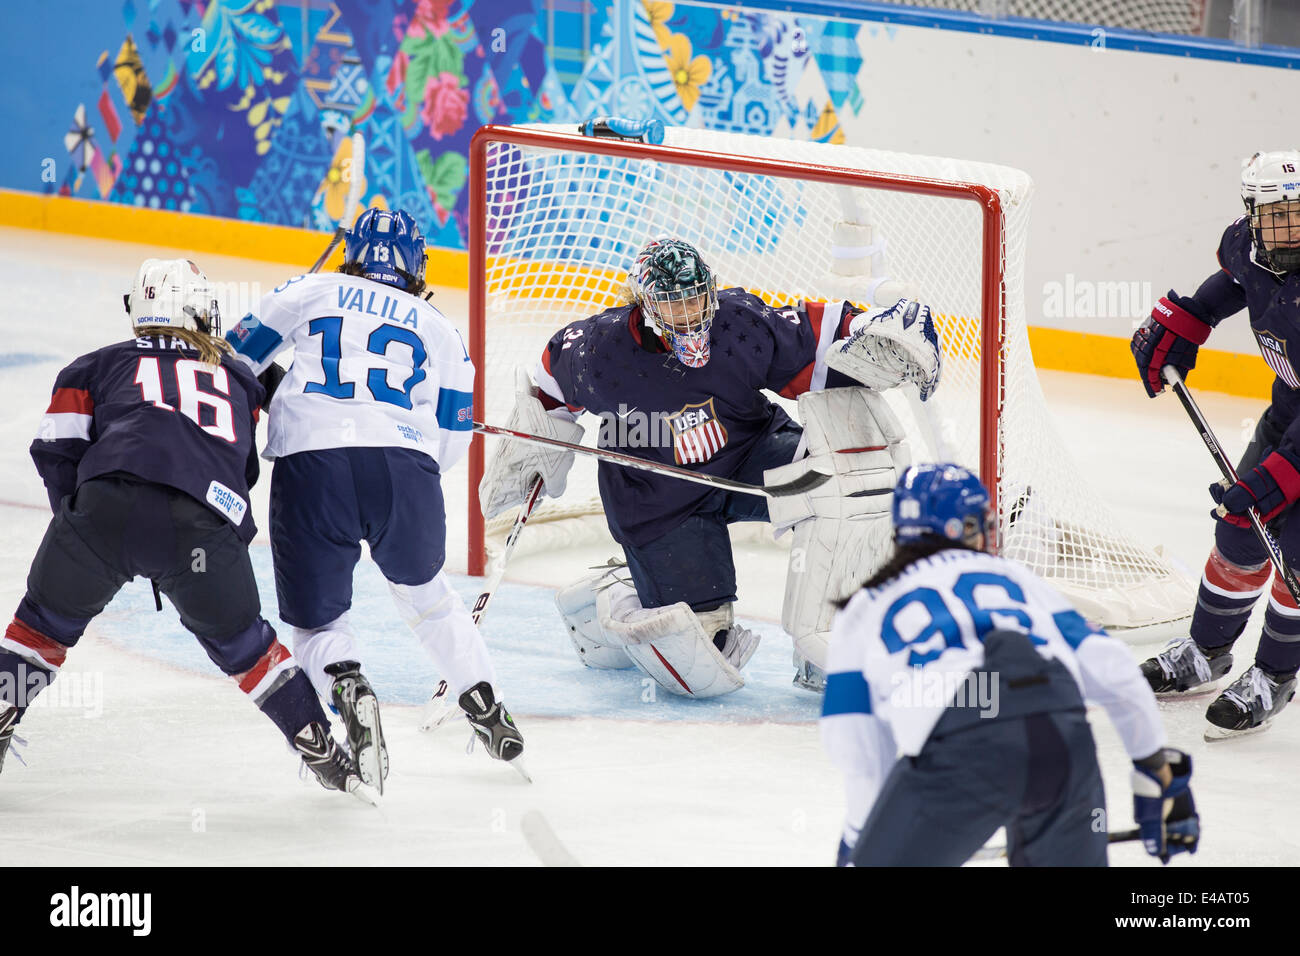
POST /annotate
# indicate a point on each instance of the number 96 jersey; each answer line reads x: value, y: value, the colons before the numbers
x: 373, y: 366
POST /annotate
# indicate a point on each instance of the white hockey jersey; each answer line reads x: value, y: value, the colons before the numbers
x: 900, y: 654
x: 372, y: 366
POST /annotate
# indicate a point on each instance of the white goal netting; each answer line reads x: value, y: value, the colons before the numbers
x: 561, y: 227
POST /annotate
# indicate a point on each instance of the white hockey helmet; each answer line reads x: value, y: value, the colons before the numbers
x: 175, y: 293
x: 1273, y: 180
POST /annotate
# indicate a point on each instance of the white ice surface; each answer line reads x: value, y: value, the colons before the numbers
x: 145, y: 753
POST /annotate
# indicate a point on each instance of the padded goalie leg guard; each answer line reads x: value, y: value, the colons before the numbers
x: 578, y: 606
x: 842, y: 529
x: 674, y: 645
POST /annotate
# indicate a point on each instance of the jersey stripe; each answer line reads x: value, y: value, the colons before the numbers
x: 64, y: 425
x: 846, y: 693
x: 257, y: 344
x: 455, y: 410
x: 75, y: 400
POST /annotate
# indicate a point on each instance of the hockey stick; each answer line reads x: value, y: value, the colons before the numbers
x: 998, y: 852
x: 1216, y: 452
x: 806, y: 482
x: 526, y: 509
x: 356, y: 173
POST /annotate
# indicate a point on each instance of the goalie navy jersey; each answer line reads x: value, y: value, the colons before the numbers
x: 1274, y: 309
x: 150, y: 408
x: 707, y: 419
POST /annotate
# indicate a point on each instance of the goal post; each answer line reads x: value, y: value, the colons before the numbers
x: 557, y: 218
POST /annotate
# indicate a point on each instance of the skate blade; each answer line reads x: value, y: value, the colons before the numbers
x: 517, y: 765
x: 366, y: 794
x: 1195, y: 693
x: 1213, y: 733
x: 372, y: 760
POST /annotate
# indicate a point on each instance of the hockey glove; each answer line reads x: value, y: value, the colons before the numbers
x: 1170, y: 336
x: 1269, y: 487
x: 1166, y: 816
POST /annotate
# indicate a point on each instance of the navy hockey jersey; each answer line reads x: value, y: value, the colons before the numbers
x: 707, y: 419
x: 1274, y: 309
x: 149, y: 407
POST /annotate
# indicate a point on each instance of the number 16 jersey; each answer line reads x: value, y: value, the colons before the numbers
x: 373, y: 366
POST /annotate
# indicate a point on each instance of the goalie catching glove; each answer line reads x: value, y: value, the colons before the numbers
x: 510, y: 474
x: 891, y: 346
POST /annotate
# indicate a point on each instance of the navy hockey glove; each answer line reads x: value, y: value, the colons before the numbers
x: 1269, y: 487
x: 1170, y: 336
x: 1166, y: 816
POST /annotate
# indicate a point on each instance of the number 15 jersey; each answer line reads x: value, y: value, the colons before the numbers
x: 373, y: 366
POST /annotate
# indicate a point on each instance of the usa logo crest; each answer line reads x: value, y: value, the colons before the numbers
x: 697, y: 433
x: 1274, y: 351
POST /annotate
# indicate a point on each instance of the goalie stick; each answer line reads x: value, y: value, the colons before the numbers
x: 998, y: 852
x: 806, y: 482
x: 1216, y: 452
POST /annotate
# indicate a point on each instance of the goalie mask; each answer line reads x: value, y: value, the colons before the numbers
x: 1270, y: 188
x: 173, y: 293
x: 678, y: 297
x: 943, y: 501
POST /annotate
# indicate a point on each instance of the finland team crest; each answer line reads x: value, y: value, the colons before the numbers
x: 1274, y: 351
x: 697, y: 433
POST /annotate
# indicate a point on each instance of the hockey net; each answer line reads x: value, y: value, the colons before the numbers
x: 558, y: 219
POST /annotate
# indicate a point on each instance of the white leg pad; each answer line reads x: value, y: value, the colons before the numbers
x: 843, y: 529
x: 669, y: 645
x: 444, y: 628
x: 577, y: 605
x: 317, y: 648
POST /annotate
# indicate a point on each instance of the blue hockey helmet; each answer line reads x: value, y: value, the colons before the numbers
x: 386, y: 246
x: 943, y: 501
x: 678, y: 296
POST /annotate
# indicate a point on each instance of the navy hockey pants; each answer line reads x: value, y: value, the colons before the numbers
x: 693, y: 562
x: 325, y: 503
x: 1031, y: 768
x: 117, y: 527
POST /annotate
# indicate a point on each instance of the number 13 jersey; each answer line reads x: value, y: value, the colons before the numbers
x: 373, y: 366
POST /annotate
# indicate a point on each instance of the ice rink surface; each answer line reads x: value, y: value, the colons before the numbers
x: 143, y: 753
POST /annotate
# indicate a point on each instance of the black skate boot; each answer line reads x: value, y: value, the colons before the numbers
x: 1249, y: 704
x: 1184, y: 666
x: 332, y: 767
x: 493, y: 725
x: 8, y: 721
x: 358, y: 706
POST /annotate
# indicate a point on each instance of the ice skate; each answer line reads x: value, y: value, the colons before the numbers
x: 808, y: 675
x: 1183, y: 666
x: 358, y: 707
x: 494, y: 726
x: 1249, y: 704
x: 334, y: 769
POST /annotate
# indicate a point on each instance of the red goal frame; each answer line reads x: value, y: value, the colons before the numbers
x: 992, y: 294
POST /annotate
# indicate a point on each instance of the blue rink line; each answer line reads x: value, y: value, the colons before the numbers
x: 539, y: 671
x: 19, y: 359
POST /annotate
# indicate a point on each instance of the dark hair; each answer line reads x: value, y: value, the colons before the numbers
x: 905, y: 556
x: 412, y: 286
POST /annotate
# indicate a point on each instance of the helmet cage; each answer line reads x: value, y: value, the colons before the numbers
x: 1271, y: 226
